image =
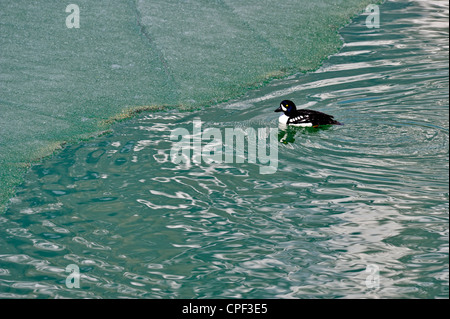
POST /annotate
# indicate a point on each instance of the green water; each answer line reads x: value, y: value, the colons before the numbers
x: 59, y: 84
x: 372, y: 192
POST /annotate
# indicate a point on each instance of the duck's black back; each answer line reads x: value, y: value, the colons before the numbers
x: 313, y: 117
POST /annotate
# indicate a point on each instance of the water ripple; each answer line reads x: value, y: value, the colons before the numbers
x: 371, y: 192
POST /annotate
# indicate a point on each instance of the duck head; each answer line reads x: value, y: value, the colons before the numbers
x: 288, y: 107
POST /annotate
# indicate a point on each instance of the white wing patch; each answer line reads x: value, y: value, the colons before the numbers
x: 302, y: 124
x: 297, y: 119
x: 300, y: 121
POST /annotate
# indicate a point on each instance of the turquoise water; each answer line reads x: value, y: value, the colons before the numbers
x: 61, y: 84
x: 344, y: 199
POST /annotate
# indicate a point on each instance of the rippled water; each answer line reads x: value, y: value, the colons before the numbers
x: 371, y: 192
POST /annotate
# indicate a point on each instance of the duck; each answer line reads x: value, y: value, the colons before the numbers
x: 303, y: 117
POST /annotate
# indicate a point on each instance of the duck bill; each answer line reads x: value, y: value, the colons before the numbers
x: 278, y: 109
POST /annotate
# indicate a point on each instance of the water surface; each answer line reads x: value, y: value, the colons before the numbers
x: 371, y: 192
x: 61, y: 84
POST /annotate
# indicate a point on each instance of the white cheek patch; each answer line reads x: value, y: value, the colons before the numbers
x: 283, y: 108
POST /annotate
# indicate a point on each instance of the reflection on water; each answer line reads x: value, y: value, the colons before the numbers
x: 371, y: 192
x: 287, y: 134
